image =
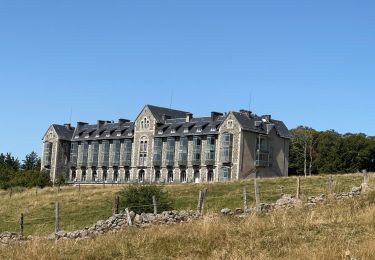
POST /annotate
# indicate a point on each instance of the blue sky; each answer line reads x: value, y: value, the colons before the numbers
x: 304, y: 62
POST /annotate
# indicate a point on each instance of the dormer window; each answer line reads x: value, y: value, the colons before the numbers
x: 199, y: 129
x: 97, y: 135
x: 173, y: 131
x: 118, y: 134
x: 130, y: 134
x: 186, y: 130
x: 230, y: 124
x: 213, y: 129
x: 87, y: 136
x: 76, y: 137
x: 160, y: 132
x: 107, y: 135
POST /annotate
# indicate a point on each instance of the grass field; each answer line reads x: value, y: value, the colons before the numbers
x: 328, y: 231
x: 80, y: 208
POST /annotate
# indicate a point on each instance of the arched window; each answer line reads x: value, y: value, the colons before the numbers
x: 74, y: 175
x: 94, y: 174
x: 210, y: 176
x: 127, y: 176
x: 170, y: 176
x: 183, y: 176
x: 157, y: 176
x: 105, y: 174
x: 115, y: 174
x: 141, y: 176
x: 197, y: 176
x: 83, y: 175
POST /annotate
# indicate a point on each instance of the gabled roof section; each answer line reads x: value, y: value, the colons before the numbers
x: 158, y: 113
x: 248, y: 123
x: 63, y: 132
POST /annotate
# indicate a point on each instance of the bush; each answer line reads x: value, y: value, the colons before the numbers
x: 30, y: 179
x: 138, y: 198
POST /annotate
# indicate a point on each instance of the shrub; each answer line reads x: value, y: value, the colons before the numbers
x: 138, y: 198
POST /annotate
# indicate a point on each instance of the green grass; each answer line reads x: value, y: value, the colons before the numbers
x: 83, y: 208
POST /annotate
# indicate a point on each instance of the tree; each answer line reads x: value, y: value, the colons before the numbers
x: 31, y: 162
x: 303, y: 149
x: 11, y: 162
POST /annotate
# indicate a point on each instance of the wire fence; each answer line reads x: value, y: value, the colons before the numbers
x: 256, y: 191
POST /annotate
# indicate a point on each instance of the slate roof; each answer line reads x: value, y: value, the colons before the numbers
x: 63, y: 132
x: 107, y: 131
x: 158, y: 113
x: 176, y: 125
x: 197, y: 126
x: 249, y: 125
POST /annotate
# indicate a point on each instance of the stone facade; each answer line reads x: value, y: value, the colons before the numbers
x: 168, y: 146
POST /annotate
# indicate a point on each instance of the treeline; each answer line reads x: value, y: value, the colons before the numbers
x: 25, y: 174
x: 315, y: 152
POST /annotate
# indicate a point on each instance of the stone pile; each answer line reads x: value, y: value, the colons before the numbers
x: 8, y: 237
x: 119, y: 221
x: 287, y: 201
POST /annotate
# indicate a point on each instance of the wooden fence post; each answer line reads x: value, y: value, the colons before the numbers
x: 330, y: 188
x: 204, y: 193
x: 115, y: 205
x: 257, y: 195
x: 21, y: 224
x: 298, y: 192
x: 365, y: 177
x: 128, y: 216
x: 57, y: 218
x: 281, y: 191
x: 155, y: 205
x: 199, y: 207
x: 244, y: 200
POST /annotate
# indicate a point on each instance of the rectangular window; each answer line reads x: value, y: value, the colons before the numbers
x: 158, y: 148
x: 197, y: 145
x: 116, y: 145
x: 183, y: 151
x: 104, y: 154
x: 47, y: 152
x: 262, y: 152
x: 83, y: 153
x: 170, y: 150
x: 210, y: 150
x: 93, y: 160
x: 226, y: 152
x: 73, y: 154
x: 225, y: 174
x: 126, y: 155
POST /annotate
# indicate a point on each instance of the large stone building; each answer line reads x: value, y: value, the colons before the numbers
x: 166, y: 145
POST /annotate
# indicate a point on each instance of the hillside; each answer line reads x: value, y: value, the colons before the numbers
x: 82, y: 206
x: 329, y: 231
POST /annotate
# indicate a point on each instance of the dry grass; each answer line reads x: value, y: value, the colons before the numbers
x: 83, y: 208
x: 323, y: 232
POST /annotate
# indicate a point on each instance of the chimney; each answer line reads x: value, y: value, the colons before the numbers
x: 123, y: 121
x: 267, y: 117
x: 189, y: 117
x: 100, y: 124
x: 68, y: 126
x: 246, y: 113
x: 80, y: 125
x: 215, y: 115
